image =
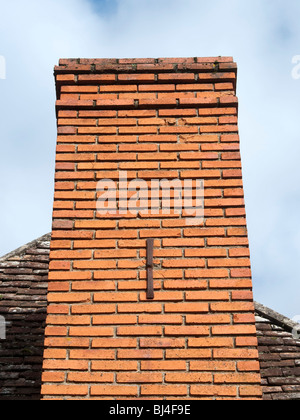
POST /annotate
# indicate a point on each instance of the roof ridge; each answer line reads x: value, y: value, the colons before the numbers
x: 22, y: 249
x: 275, y: 317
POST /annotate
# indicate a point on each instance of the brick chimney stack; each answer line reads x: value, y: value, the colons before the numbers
x: 139, y: 122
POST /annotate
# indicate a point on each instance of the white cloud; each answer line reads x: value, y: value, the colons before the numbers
x: 263, y: 37
x: 34, y: 35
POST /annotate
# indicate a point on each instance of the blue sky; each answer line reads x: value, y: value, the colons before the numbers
x: 107, y: 7
x: 263, y: 36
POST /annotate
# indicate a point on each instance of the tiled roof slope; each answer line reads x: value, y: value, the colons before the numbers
x: 23, y: 304
x: 279, y: 354
x: 23, y: 288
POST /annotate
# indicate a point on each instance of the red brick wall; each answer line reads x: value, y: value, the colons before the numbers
x: 166, y: 118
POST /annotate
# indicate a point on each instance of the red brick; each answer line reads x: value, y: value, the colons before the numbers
x: 162, y: 342
x: 174, y: 390
x: 67, y: 342
x: 95, y: 244
x: 186, y: 307
x: 93, y: 309
x: 248, y: 366
x: 69, y: 297
x: 187, y: 330
x: 251, y: 391
x: 77, y: 365
x: 114, y: 390
x: 164, y: 296
x: 234, y: 330
x: 232, y: 307
x: 56, y: 331
x: 163, y: 365
x: 208, y: 319
x: 201, y: 174
x: 53, y: 377
x: 76, y: 390
x: 91, y: 332
x: 213, y: 391
x: 139, y: 331
x: 160, y: 319
x: 212, y: 365
x: 87, y: 377
x: 188, y: 377
x: 60, y: 265
x: 119, y: 365
x: 140, y: 354
x: 98, y: 264
x: 182, y: 263
x: 235, y: 354
x: 114, y: 343
x: 229, y: 378
x: 177, y: 77
x: 211, y: 342
x: 209, y: 252
x: 188, y: 354
x: 230, y: 262
x: 115, y: 297
x: 114, y: 319
x: 139, y: 377
x: 207, y: 295
x: 230, y: 283
x: 126, y: 253
x: 72, y: 275
x: 87, y: 354
x: 183, y: 242
x: 242, y: 295
x: 227, y: 242
x: 239, y: 252
x: 142, y: 307
x: 193, y: 232
x: 136, y: 77
x: 236, y: 272
x: 119, y: 274
x: 92, y: 285
x: 177, y: 112
x: 212, y: 273
x: 68, y: 320
x: 59, y: 286
x: 138, y: 148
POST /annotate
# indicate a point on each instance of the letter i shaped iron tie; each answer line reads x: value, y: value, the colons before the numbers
x: 150, y: 289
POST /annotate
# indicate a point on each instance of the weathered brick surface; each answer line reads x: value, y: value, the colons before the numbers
x: 156, y: 119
